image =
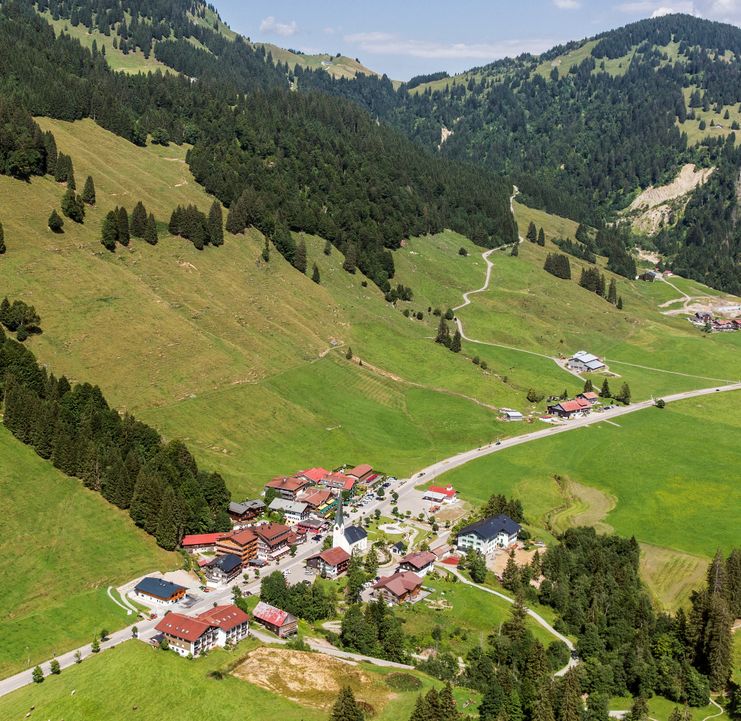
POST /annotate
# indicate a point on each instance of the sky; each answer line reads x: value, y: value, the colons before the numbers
x: 403, y: 38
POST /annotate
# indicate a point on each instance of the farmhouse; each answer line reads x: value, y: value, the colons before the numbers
x: 281, y: 623
x: 294, y: 511
x: 330, y: 563
x: 440, y: 494
x: 590, y: 396
x: 361, y: 473
x: 246, y: 511
x: 399, y: 588
x: 582, y: 361
x: 239, y: 543
x: 350, y: 538
x: 218, y: 626
x: 224, y: 568
x: 200, y: 542
x: 287, y: 487
x: 420, y: 562
x: 157, y: 589
x: 272, y: 540
x: 566, y: 409
x: 488, y: 534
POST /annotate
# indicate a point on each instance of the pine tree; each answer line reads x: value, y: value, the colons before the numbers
x: 620, y: 302
x: 122, y: 219
x: 315, y: 274
x: 88, y: 192
x: 532, y: 232
x: 588, y: 386
x: 541, y: 237
x: 55, y: 222
x: 168, y: 530
x: 443, y: 333
x: 2, y: 239
x: 612, y: 292
x: 327, y: 248
x: 72, y: 206
x: 346, y: 708
x: 351, y: 258
x: 455, y: 343
x: 299, y: 259
x: 109, y: 233
x: 138, y: 224
x: 150, y: 231
x: 605, y: 390
x: 570, y: 707
x: 216, y: 224
x: 515, y: 250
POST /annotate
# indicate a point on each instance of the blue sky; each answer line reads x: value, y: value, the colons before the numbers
x: 404, y: 39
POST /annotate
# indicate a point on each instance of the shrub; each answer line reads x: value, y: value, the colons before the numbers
x: 403, y: 682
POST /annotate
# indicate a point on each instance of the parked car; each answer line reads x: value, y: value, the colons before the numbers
x: 318, y: 537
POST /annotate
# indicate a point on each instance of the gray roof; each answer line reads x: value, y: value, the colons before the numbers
x: 240, y: 508
x: 353, y: 534
x: 227, y: 563
x: 157, y: 587
x: 280, y: 504
x: 490, y: 528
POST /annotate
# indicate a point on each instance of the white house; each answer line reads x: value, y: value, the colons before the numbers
x: 194, y: 635
x: 294, y: 511
x: 582, y: 361
x: 489, y: 534
x: 350, y: 538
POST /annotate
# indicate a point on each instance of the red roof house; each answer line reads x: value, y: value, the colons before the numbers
x: 447, y: 491
x: 287, y: 486
x: 200, y: 540
x: 402, y: 586
x: 313, y: 474
x: 419, y: 562
x: 281, y: 623
x: 361, y: 472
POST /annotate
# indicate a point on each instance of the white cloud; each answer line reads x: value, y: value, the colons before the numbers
x: 271, y: 26
x: 381, y: 43
x: 567, y: 4
x: 728, y: 11
x: 661, y: 11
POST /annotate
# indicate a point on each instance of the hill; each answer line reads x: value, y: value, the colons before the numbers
x: 64, y: 546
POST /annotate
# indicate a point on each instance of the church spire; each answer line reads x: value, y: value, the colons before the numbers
x: 339, y: 521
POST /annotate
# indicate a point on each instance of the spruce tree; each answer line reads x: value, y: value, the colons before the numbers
x: 168, y: 531
x: 50, y: 145
x: 443, y: 333
x: 61, y: 172
x: 55, y: 222
x: 455, y: 343
x: 150, y: 231
x: 216, y: 224
x: 346, y: 708
x: 570, y: 707
x: 299, y: 258
x: 72, y: 206
x: 718, y: 642
x: 138, y: 225
x: 327, y: 248
x: 605, y: 390
x: 624, y: 396
x: 612, y: 292
x: 147, y: 500
x: 2, y: 239
x: 71, y: 183
x: 348, y: 354
x: 122, y: 219
x: 109, y: 232
x: 351, y: 258
x: 515, y: 250
x: 88, y: 192
x: 541, y: 237
x: 315, y: 274
x: 532, y: 232
x: 620, y: 302
x: 588, y: 386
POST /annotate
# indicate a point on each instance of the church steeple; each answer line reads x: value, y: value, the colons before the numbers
x: 339, y: 521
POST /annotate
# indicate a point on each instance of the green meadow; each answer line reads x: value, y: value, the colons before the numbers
x: 63, y: 546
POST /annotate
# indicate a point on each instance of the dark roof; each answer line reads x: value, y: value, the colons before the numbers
x: 489, y: 528
x: 353, y: 534
x: 400, y: 546
x: 157, y: 587
x: 227, y: 563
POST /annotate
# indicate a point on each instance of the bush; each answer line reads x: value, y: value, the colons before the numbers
x: 535, y: 396
x: 558, y: 654
x: 462, y: 251
x: 403, y: 682
x: 661, y: 403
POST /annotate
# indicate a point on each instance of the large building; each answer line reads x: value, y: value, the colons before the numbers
x: 287, y: 487
x: 582, y: 362
x: 246, y: 511
x: 239, y: 543
x: 192, y: 635
x: 351, y: 538
x: 398, y: 588
x: 273, y: 540
x: 158, y: 590
x: 293, y: 511
x: 487, y: 535
x: 224, y: 568
x: 330, y: 563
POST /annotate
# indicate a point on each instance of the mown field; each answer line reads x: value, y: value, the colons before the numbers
x: 62, y: 547
x: 186, y: 689
x: 670, y: 472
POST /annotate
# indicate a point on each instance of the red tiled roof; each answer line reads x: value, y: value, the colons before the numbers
x: 420, y: 559
x: 400, y: 583
x: 316, y: 497
x: 448, y: 491
x: 241, y: 538
x: 314, y: 474
x: 225, y: 617
x: 200, y: 539
x: 590, y: 395
x: 286, y: 483
x: 334, y: 556
x: 570, y: 406
x: 183, y: 627
x: 270, y: 614
x: 583, y: 402
x: 360, y: 471
x: 340, y: 479
x: 271, y: 532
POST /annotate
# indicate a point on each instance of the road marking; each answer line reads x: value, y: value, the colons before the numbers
x: 617, y: 425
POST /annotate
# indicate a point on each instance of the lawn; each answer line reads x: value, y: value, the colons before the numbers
x: 668, y: 470
x: 63, y: 546
x: 661, y: 708
x: 161, y: 686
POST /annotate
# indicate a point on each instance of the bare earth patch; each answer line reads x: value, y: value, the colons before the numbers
x: 310, y: 679
x: 498, y: 563
x: 671, y: 575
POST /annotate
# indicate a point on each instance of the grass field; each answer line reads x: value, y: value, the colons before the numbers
x: 63, y: 546
x: 661, y: 708
x: 665, y: 475
x: 184, y: 689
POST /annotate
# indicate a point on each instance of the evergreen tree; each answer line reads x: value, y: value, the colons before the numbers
x: 351, y: 255
x: 718, y: 642
x: 620, y: 302
x: 515, y: 250
x: 570, y: 707
x: 55, y: 222
x: 543, y: 708
x: 72, y: 206
x: 588, y: 386
x: 624, y: 396
x: 138, y: 224
x: 71, y: 183
x: 532, y: 232
x: 541, y: 237
x: 639, y: 710
x: 88, y: 191
x: 62, y: 168
x: 345, y: 707
x: 299, y: 258
x: 511, y: 575
x: 168, y: 523
x: 455, y: 343
x: 150, y: 231
x: 612, y: 293
x: 109, y: 232
x: 356, y: 577
x: 216, y: 224
x: 327, y: 248
x: 50, y: 145
x: 54, y: 667
x: 348, y: 354
x: 147, y: 500
x: 315, y: 274
x: 2, y: 239
x: 122, y: 219
x: 605, y: 390
x: 443, y: 333
x: 371, y: 562
x: 37, y: 675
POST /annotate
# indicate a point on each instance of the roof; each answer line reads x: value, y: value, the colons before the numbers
x: 490, y: 528
x: 437, y: 497
x: 200, y: 539
x: 400, y: 546
x: 270, y: 532
x: 316, y: 497
x: 339, y: 480
x: 360, y: 471
x: 280, y: 504
x: 570, y: 406
x: 158, y: 587
x: 240, y: 508
x: 226, y: 562
x: 512, y: 414
x: 448, y: 491
x: 312, y: 523
x: 241, y: 538
x: 314, y: 474
x: 420, y: 559
x: 584, y: 357
x: 353, y: 534
x: 183, y: 627
x: 400, y: 583
x: 589, y: 395
x: 334, y: 556
x: 286, y: 483
x: 272, y: 615
x: 225, y: 617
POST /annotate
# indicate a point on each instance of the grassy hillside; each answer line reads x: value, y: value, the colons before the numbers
x: 672, y: 485
x: 63, y: 546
